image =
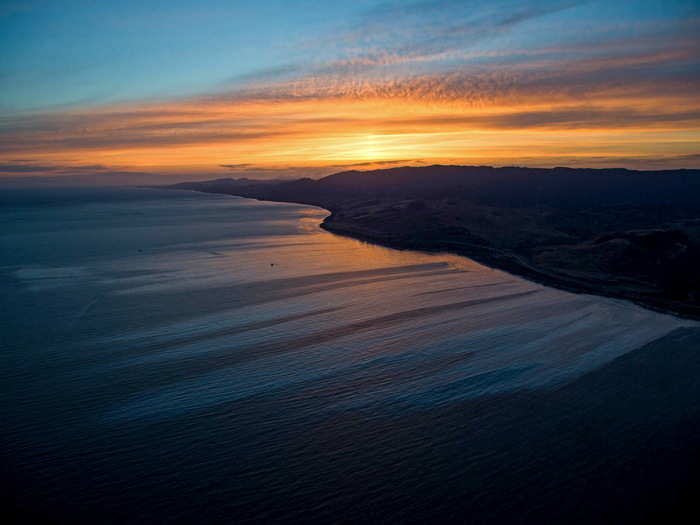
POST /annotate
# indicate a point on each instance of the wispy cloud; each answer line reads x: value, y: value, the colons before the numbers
x: 406, y: 80
x: 29, y: 166
x: 236, y: 167
x: 432, y: 27
x: 377, y: 163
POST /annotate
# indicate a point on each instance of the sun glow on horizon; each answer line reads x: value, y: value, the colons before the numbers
x: 621, y: 96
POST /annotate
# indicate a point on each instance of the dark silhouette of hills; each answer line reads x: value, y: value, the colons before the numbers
x: 615, y: 232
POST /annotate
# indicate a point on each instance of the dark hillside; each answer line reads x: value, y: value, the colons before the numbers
x: 615, y: 232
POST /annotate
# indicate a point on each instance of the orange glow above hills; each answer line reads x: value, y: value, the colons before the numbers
x: 569, y: 114
x: 502, y: 83
x: 337, y: 130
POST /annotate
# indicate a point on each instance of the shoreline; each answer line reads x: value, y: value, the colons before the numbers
x: 491, y: 257
x: 509, y: 263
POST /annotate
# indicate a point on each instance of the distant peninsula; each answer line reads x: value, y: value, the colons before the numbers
x: 612, y: 232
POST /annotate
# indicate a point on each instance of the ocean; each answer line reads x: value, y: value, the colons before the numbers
x: 177, y: 357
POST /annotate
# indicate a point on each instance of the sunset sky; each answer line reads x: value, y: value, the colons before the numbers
x: 305, y: 88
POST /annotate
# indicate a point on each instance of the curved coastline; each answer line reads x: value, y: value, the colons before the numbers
x: 507, y: 261
x: 511, y: 263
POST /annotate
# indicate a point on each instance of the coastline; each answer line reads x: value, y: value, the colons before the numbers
x: 513, y: 264
x: 503, y: 260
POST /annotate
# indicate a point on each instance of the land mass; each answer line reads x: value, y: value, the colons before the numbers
x: 612, y: 232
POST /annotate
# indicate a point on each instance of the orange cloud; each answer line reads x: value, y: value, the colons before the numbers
x: 630, y: 107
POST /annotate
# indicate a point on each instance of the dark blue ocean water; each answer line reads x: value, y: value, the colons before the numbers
x: 180, y: 357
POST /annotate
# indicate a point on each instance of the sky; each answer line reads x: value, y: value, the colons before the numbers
x: 278, y: 89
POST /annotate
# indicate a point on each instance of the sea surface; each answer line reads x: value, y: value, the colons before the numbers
x: 177, y: 357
